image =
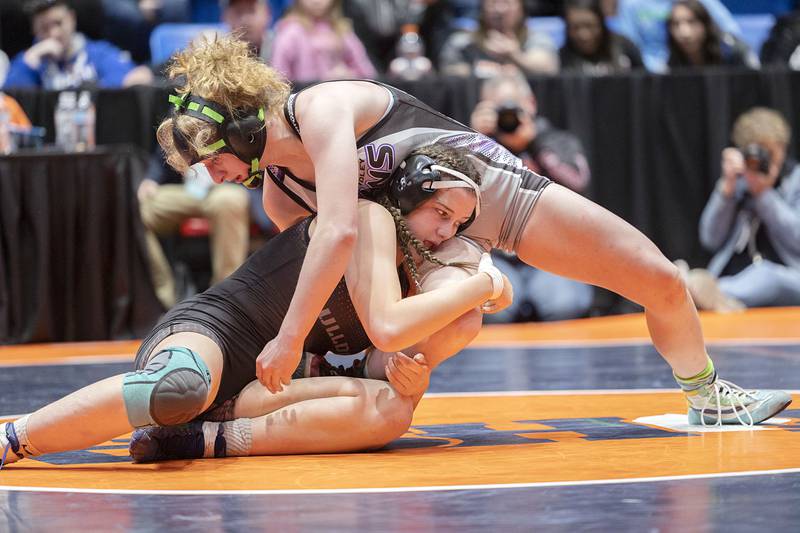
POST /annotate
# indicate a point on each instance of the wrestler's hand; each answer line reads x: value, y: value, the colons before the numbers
x: 503, y: 291
x: 409, y: 376
x: 276, y: 363
x: 505, y: 299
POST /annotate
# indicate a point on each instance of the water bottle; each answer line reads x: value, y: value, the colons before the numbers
x: 66, y: 132
x: 85, y: 122
x: 410, y: 63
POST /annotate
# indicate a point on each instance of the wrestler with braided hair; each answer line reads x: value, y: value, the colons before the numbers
x: 204, y: 351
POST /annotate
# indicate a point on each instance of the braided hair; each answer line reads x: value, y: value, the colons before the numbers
x: 446, y: 156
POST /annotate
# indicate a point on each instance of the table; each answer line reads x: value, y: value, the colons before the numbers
x: 72, y: 255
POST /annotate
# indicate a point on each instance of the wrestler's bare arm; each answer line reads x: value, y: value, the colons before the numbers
x: 391, y: 321
x: 329, y: 140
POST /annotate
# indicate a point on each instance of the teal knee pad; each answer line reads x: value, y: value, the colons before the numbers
x: 171, y: 389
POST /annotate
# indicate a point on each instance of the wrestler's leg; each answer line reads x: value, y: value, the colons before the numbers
x: 98, y: 412
x: 311, y: 415
x: 570, y: 236
x: 364, y: 414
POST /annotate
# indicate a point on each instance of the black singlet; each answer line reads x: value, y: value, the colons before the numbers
x: 246, y: 310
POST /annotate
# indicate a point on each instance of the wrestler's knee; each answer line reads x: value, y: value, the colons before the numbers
x: 171, y: 389
x: 392, y: 418
x: 663, y: 284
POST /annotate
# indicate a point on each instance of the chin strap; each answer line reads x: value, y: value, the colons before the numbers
x: 256, y: 176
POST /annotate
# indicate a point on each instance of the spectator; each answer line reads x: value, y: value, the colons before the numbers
x: 782, y: 47
x: 502, y: 38
x: 12, y: 117
x: 15, y: 115
x: 644, y: 23
x: 61, y: 58
x: 752, y: 219
x: 507, y: 112
x: 378, y: 24
x: 128, y: 23
x: 695, y: 40
x: 165, y: 202
x: 252, y: 18
x: 590, y: 47
x: 315, y: 42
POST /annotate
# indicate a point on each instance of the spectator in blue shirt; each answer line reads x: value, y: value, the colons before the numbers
x: 62, y: 58
x: 645, y: 23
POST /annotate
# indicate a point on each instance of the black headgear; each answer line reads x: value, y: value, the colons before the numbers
x: 243, y: 135
x: 418, y: 177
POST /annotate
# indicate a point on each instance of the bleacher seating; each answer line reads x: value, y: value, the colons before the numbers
x: 755, y: 29
x: 758, y: 7
x: 167, y: 38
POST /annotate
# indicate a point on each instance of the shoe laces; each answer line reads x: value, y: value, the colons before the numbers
x: 738, y: 399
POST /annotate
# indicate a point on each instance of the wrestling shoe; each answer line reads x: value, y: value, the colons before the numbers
x: 723, y: 402
x: 185, y: 441
x: 10, y: 445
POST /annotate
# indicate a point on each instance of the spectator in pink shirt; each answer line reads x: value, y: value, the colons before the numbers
x: 314, y: 41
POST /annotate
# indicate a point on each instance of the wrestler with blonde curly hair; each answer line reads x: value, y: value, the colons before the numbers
x: 331, y: 143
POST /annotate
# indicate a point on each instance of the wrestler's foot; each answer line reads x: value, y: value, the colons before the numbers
x: 723, y: 402
x: 9, y: 445
x: 314, y: 365
x: 170, y: 442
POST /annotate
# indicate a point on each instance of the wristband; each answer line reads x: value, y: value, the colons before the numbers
x: 486, y: 265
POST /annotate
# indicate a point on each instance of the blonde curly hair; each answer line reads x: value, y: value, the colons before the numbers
x: 224, y: 70
x: 758, y: 125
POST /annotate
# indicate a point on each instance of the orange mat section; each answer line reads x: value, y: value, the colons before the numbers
x: 569, y: 457
x: 754, y: 324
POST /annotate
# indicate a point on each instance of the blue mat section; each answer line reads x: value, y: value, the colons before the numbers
x: 25, y: 388
x: 739, y: 504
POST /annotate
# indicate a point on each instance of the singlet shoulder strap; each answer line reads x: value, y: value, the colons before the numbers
x: 288, y: 113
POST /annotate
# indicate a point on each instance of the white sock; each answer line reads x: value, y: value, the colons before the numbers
x: 25, y: 446
x: 238, y: 435
x: 11, y: 457
x: 26, y: 449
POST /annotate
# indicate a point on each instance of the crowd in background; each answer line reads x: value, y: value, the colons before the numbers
x: 329, y: 39
x: 71, y: 44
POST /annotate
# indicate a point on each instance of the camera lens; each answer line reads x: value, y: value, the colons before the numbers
x: 508, y: 117
x: 756, y: 158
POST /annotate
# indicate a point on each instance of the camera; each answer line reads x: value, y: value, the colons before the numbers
x: 508, y: 117
x: 756, y: 158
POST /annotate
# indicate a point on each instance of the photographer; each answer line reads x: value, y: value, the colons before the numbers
x: 507, y: 113
x: 752, y: 219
